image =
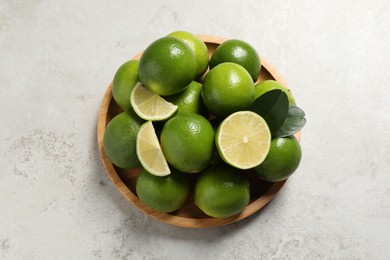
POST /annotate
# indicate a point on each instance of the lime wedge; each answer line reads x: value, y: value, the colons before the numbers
x: 243, y: 139
x: 149, y: 151
x: 150, y: 106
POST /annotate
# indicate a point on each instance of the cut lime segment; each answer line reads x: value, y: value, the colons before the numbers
x: 149, y: 151
x: 150, y: 106
x: 243, y: 139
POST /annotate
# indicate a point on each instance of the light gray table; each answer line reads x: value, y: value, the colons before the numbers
x: 56, y: 61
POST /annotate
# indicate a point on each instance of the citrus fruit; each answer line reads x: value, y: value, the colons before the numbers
x: 167, y: 66
x: 267, y: 85
x: 163, y: 193
x: 189, y: 100
x: 216, y: 158
x: 283, y: 159
x: 149, y: 151
x: 187, y: 141
x: 119, y: 140
x: 239, y: 52
x: 150, y: 106
x: 221, y: 191
x: 227, y: 88
x: 198, y: 47
x: 124, y: 80
x: 243, y: 139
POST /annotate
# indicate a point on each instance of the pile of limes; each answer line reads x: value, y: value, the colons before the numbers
x: 185, y: 113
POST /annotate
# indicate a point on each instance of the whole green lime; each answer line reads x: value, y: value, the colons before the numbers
x: 163, y: 193
x: 119, y: 140
x: 124, y: 80
x: 216, y: 158
x: 199, y: 48
x: 167, y: 66
x: 187, y: 141
x: 239, y: 52
x: 267, y: 85
x: 227, y: 88
x: 189, y: 100
x: 222, y: 191
x: 282, y: 160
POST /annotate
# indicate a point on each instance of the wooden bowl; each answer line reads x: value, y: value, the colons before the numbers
x: 189, y: 215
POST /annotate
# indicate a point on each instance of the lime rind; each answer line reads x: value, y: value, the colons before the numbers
x: 150, y: 106
x: 124, y: 80
x: 149, y: 151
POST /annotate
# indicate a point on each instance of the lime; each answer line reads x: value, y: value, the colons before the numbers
x: 267, y: 85
x: 198, y: 47
x: 124, y: 80
x: 216, y: 158
x: 189, y: 100
x: 222, y: 191
x: 187, y: 141
x: 149, y: 151
x: 167, y: 66
x: 243, y: 139
x: 119, y: 140
x: 283, y: 159
x: 227, y: 88
x: 163, y: 193
x: 149, y: 105
x: 238, y: 52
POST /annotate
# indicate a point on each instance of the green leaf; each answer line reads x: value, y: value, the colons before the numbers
x: 273, y: 107
x: 294, y: 122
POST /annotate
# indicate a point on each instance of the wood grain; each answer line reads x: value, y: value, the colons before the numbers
x: 189, y: 215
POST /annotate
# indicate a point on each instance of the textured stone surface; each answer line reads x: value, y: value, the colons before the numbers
x: 56, y: 61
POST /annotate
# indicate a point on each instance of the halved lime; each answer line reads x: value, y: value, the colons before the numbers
x: 243, y: 139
